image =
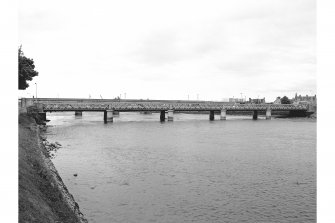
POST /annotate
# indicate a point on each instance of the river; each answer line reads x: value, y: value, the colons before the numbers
x: 189, y: 170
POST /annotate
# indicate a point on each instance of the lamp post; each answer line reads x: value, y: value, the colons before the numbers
x: 36, y: 91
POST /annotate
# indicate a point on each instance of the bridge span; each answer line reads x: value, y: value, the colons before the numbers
x: 111, y: 106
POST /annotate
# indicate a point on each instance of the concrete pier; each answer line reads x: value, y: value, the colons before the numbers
x: 268, y: 113
x: 211, y: 115
x: 223, y: 115
x: 108, y: 116
x: 162, y: 116
x: 255, y: 115
x: 78, y: 113
x: 170, y: 115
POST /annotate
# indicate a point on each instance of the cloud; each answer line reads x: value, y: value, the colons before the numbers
x: 217, y: 48
x: 159, y: 49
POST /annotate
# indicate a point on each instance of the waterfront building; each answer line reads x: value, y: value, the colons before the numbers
x: 304, y: 99
x: 277, y: 101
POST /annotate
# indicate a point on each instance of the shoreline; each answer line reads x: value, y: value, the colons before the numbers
x: 43, y: 197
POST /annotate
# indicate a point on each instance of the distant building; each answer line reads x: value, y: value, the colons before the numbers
x: 237, y: 100
x: 257, y: 101
x: 277, y: 101
x: 304, y: 99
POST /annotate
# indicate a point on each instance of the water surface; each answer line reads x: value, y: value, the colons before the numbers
x: 190, y: 170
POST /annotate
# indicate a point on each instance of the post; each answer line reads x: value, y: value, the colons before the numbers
x: 170, y: 115
x: 36, y: 92
x: 211, y: 115
x: 162, y: 117
x: 268, y: 113
x: 223, y: 114
x: 108, y: 116
x: 78, y: 113
x: 23, y: 102
x: 255, y: 115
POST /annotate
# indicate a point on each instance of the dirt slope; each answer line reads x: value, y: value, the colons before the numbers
x: 43, y: 197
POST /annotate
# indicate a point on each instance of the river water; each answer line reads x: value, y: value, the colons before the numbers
x: 189, y: 170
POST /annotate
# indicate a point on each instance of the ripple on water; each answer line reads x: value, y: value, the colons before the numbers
x: 191, y: 170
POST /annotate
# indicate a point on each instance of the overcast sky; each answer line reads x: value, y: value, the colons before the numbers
x: 170, y: 49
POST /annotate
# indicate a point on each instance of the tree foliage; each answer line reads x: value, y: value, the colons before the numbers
x: 285, y: 100
x: 26, y: 70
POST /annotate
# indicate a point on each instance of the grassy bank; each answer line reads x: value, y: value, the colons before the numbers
x: 43, y: 197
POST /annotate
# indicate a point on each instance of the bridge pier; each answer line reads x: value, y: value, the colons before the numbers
x: 170, y: 115
x: 255, y: 115
x: 211, y: 115
x: 268, y: 113
x: 223, y: 114
x: 78, y: 113
x: 162, y: 116
x: 108, y: 116
x: 43, y: 115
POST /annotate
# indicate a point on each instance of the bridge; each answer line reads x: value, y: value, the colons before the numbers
x: 112, y: 106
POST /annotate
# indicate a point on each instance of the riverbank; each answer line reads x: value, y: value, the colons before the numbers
x: 43, y: 197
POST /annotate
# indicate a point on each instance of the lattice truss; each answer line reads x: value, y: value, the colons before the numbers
x: 154, y: 106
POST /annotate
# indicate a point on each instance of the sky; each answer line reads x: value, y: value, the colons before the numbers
x: 206, y: 50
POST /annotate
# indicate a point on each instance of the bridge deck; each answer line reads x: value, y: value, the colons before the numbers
x: 159, y: 106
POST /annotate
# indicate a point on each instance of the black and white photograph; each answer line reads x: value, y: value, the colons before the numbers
x: 166, y: 111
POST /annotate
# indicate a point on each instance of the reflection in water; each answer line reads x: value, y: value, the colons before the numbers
x: 140, y: 170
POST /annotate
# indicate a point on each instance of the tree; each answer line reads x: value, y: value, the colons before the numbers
x: 285, y: 100
x: 26, y: 70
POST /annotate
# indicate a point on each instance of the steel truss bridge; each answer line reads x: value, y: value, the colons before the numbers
x: 111, y: 106
x: 156, y: 106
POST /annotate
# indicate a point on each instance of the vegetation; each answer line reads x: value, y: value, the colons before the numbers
x: 43, y: 197
x: 26, y: 70
x: 285, y: 100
